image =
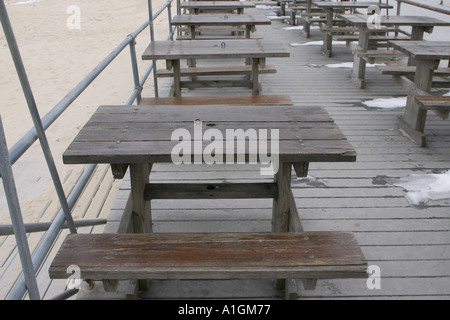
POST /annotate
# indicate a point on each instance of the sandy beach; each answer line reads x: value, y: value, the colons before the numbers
x: 57, y: 55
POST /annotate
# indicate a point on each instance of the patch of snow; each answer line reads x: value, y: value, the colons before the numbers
x: 422, y: 188
x: 317, y: 43
x: 293, y: 28
x: 388, y: 103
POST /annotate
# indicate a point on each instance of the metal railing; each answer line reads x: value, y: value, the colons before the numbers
x: 424, y: 6
x: 31, y: 263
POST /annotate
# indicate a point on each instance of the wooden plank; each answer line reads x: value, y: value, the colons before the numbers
x: 211, y: 256
x: 155, y: 132
x: 207, y: 49
x: 402, y: 20
x: 434, y: 102
x: 161, y: 151
x: 214, y: 71
x: 220, y: 19
x: 434, y: 50
x: 409, y: 70
x: 210, y: 100
x: 210, y: 191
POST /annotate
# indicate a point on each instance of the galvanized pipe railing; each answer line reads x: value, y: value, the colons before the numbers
x: 16, y: 217
x: 38, y: 132
x: 422, y: 5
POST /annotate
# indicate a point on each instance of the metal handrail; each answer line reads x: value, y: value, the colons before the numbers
x: 422, y: 5
x: 63, y: 219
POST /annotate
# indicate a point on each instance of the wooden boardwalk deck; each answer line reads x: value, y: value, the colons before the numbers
x: 409, y: 244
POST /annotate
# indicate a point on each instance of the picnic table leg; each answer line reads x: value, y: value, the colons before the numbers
x: 141, y: 210
x: 359, y: 64
x: 248, y: 30
x: 283, y: 8
x: 281, y: 207
x: 192, y: 62
x: 175, y: 64
x: 280, y: 218
x: 327, y: 48
x: 255, y: 76
x: 306, y: 22
x: 142, y: 218
x: 417, y: 33
x: 413, y: 120
x: 285, y: 218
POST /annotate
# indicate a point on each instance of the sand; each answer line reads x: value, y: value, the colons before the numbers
x: 56, y: 59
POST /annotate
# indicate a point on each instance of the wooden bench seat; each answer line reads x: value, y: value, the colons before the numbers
x: 211, y: 100
x: 371, y: 55
x: 409, y: 70
x: 435, y: 103
x: 211, y: 256
x: 216, y: 71
x: 355, y: 37
x: 212, y: 37
x: 337, y: 29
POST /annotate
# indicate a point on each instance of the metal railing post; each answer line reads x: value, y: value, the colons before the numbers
x: 399, y: 5
x: 169, y: 18
x: 134, y: 66
x: 152, y: 39
x: 16, y: 217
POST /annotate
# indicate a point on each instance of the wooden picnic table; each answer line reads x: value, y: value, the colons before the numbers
x: 283, y: 4
x: 255, y: 50
x: 419, y: 25
x: 196, y: 21
x: 140, y: 136
x: 332, y: 8
x: 196, y: 7
x: 426, y: 55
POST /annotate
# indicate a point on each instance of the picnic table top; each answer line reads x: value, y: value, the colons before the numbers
x: 142, y: 134
x: 361, y: 19
x: 223, y: 19
x: 427, y: 50
x: 351, y: 4
x: 198, y: 49
x: 216, y: 4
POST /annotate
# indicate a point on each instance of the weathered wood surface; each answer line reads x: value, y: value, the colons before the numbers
x: 426, y: 50
x: 403, y: 20
x: 204, y: 49
x: 111, y: 136
x: 216, y: 6
x: 213, y: 71
x: 350, y: 4
x: 255, y: 50
x: 409, y: 70
x: 210, y: 191
x: 210, y: 100
x: 220, y: 19
x: 426, y: 56
x: 434, y: 102
x: 214, y: 49
x: 211, y: 256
